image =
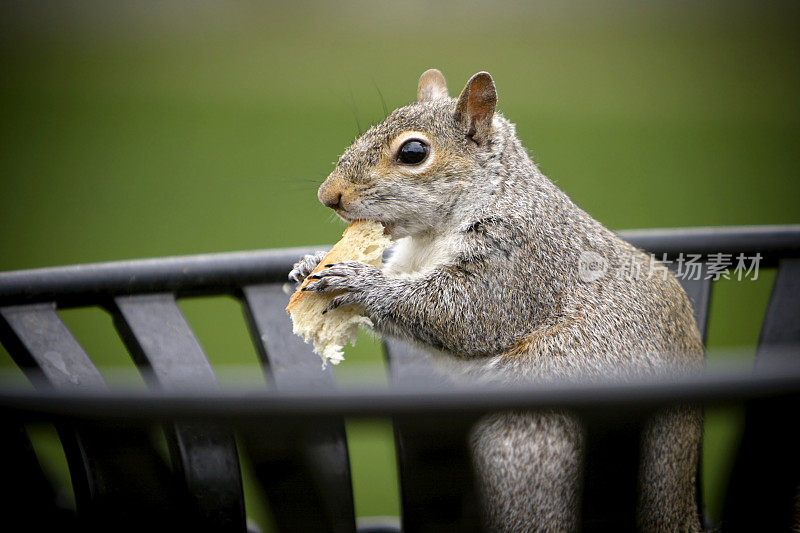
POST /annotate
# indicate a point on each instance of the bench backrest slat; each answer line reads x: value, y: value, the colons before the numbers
x: 611, y: 468
x: 287, y: 360
x: 102, y: 459
x: 161, y: 341
x: 780, y: 329
x: 764, y: 484
x: 437, y: 486
x: 307, y: 465
x: 30, y: 495
x: 39, y: 341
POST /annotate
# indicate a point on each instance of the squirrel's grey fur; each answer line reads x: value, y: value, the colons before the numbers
x: 487, y: 271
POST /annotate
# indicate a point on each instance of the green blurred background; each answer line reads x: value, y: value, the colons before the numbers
x: 152, y: 129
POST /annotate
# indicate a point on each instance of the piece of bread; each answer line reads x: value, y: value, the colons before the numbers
x: 362, y: 241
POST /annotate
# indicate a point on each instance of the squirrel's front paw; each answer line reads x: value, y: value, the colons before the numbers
x: 354, y: 279
x: 303, y: 268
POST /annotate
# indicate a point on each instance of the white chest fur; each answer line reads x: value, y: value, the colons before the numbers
x: 420, y: 255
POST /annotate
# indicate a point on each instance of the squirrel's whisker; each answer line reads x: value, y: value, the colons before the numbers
x: 380, y: 95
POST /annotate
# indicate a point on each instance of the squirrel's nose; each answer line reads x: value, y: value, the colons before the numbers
x: 330, y: 198
x: 333, y: 203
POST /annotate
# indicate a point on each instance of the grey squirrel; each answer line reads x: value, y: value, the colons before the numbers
x: 490, y: 268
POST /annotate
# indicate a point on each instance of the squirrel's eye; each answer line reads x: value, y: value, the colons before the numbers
x: 413, y: 152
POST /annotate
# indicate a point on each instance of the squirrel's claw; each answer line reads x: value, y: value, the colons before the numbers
x: 349, y: 276
x: 303, y: 268
x: 331, y: 279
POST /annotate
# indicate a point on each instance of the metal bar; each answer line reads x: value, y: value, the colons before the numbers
x: 127, y: 480
x: 437, y: 489
x: 305, y: 471
x: 410, y: 365
x: 29, y: 497
x: 780, y: 331
x: 224, y: 272
x: 43, y: 346
x: 437, y: 483
x: 286, y: 359
x: 717, y: 388
x: 766, y: 473
x: 102, y: 459
x: 159, y: 338
x: 94, y: 283
x: 611, y: 467
x: 772, y: 242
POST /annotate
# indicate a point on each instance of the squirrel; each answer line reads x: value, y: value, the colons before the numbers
x: 490, y: 268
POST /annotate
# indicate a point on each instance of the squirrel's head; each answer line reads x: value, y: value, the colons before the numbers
x: 411, y: 170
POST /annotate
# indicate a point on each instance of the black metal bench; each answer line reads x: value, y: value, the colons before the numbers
x: 294, y: 432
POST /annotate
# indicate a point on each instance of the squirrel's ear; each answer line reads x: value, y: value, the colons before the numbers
x: 431, y: 86
x: 475, y: 106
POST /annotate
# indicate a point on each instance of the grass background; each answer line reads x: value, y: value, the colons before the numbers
x: 155, y: 129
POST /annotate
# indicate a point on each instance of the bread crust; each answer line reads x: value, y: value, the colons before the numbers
x: 341, y: 251
x: 363, y: 241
